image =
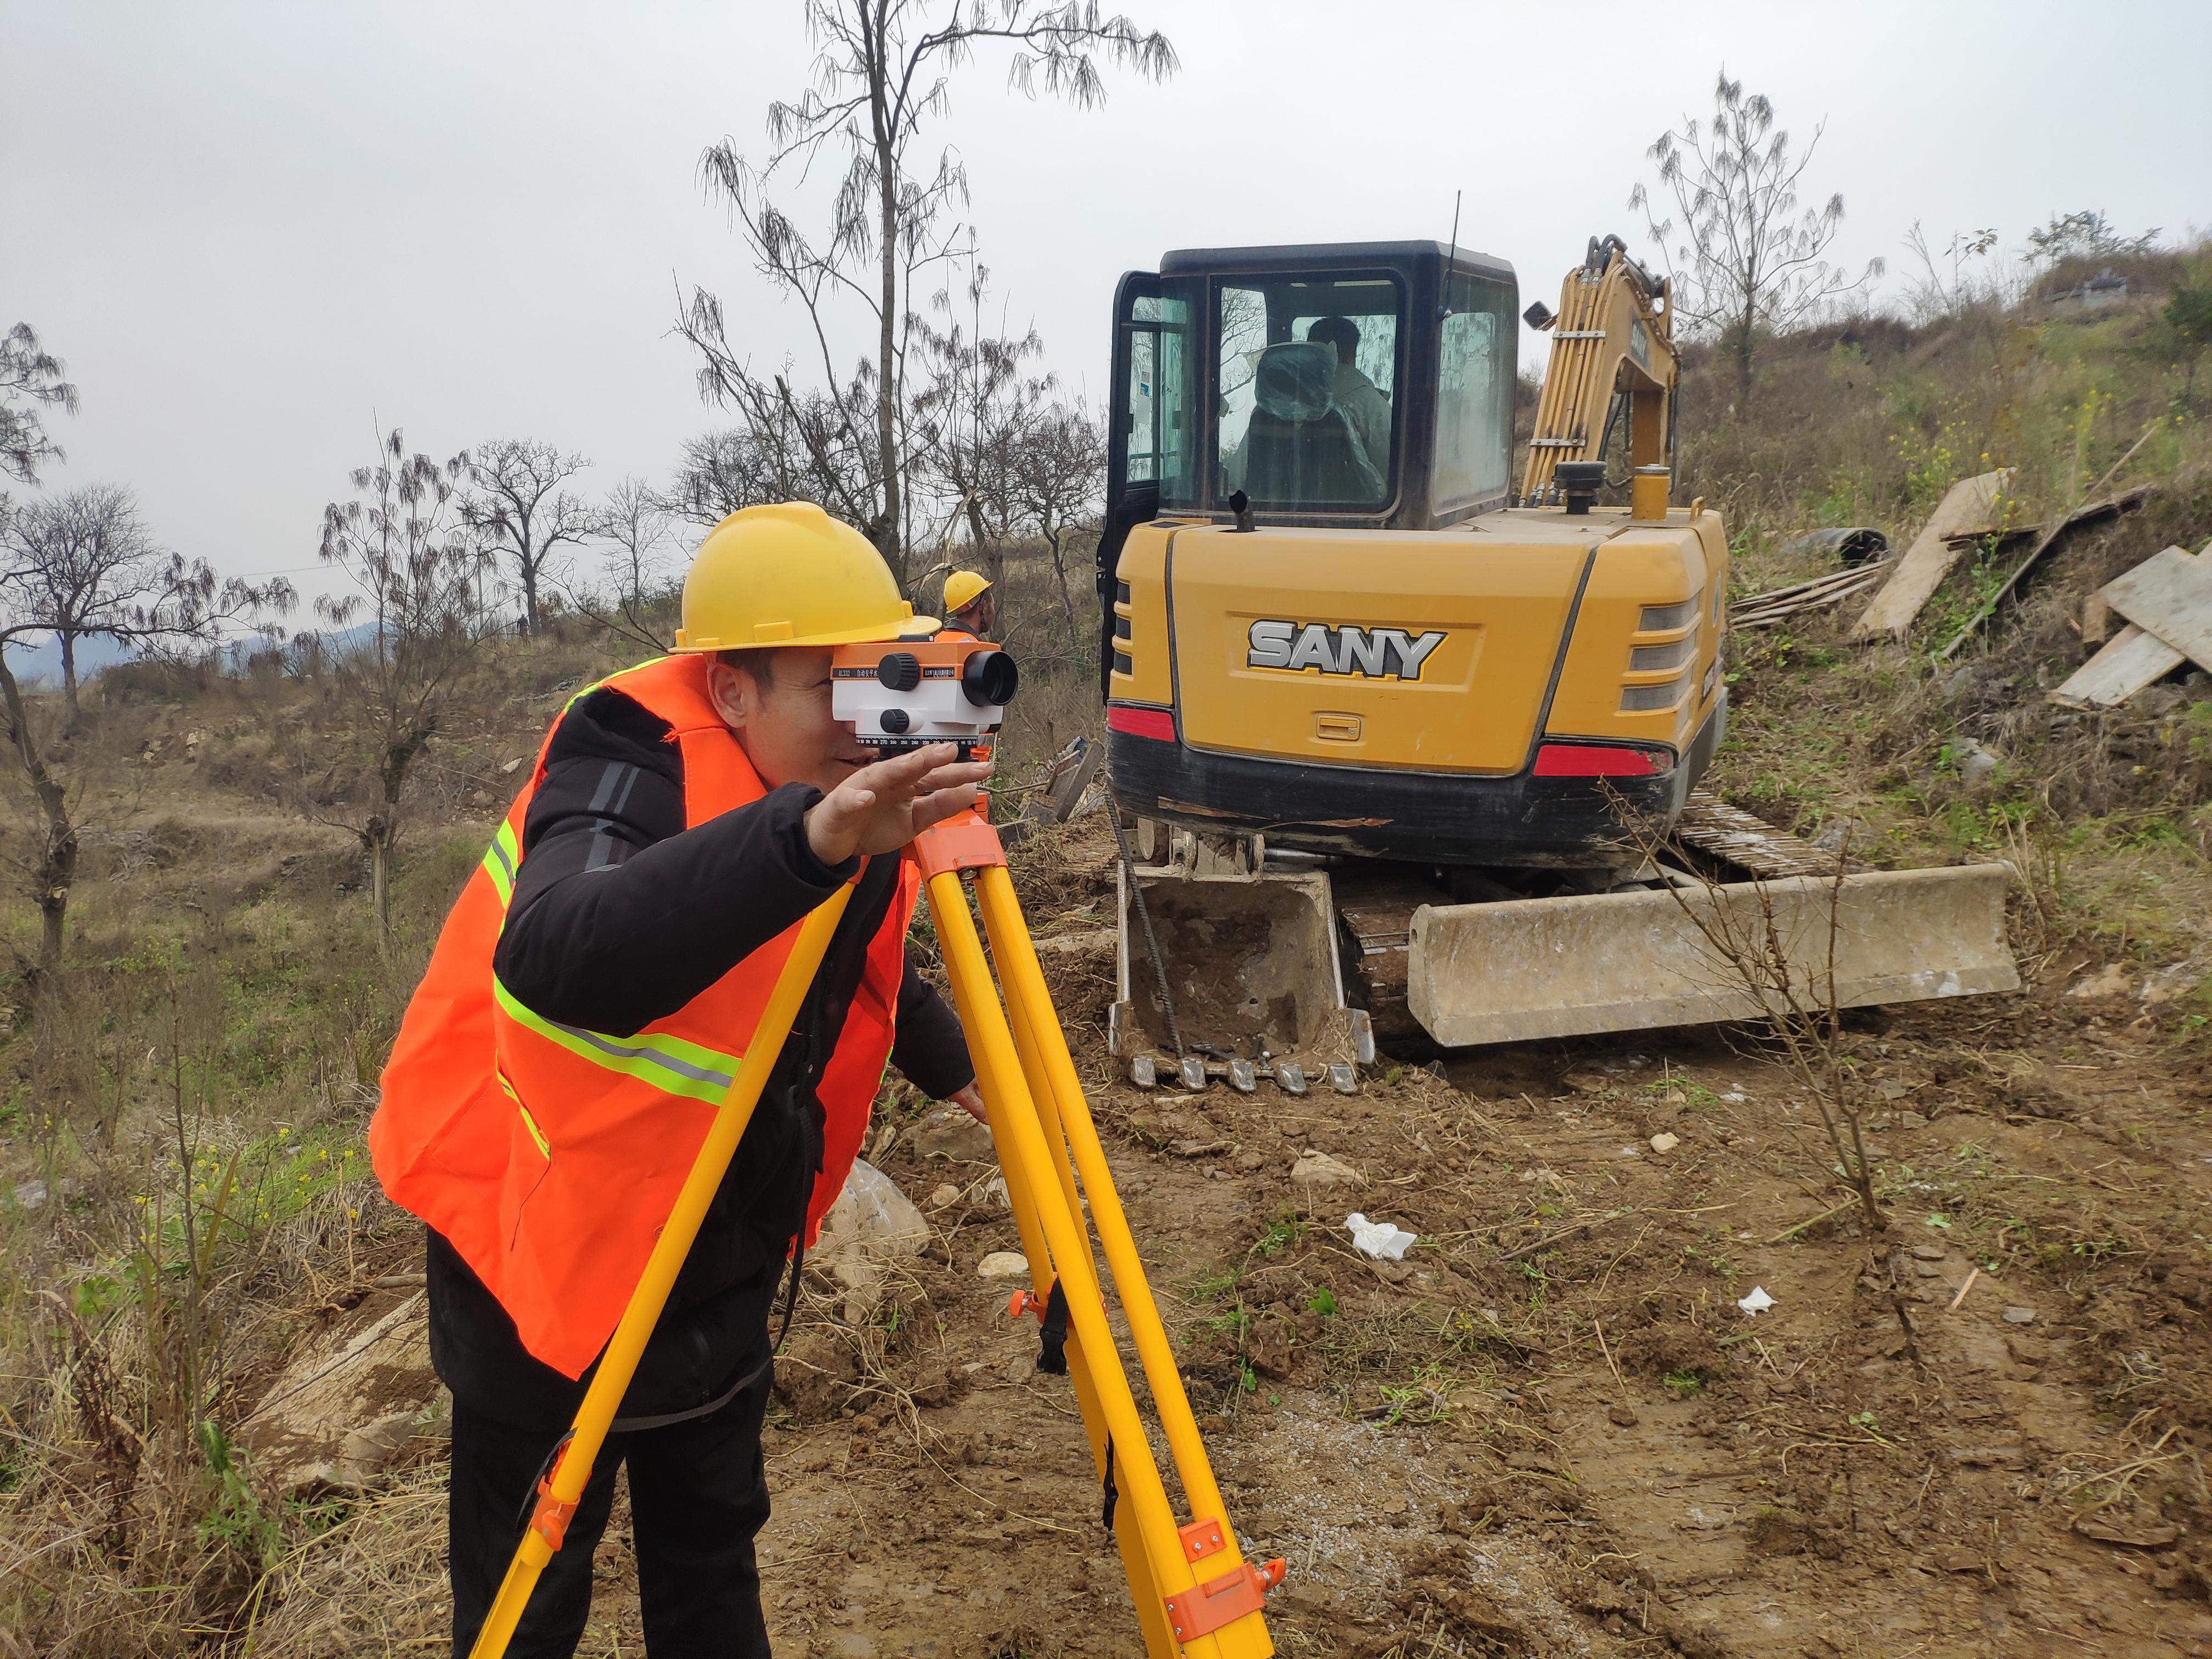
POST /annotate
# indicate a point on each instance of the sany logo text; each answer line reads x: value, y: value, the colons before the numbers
x: 1374, y: 653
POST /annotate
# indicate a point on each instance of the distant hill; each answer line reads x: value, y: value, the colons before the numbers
x: 41, y: 664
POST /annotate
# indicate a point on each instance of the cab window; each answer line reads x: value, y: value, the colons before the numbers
x: 1307, y: 411
x: 1474, y: 394
x: 1160, y: 396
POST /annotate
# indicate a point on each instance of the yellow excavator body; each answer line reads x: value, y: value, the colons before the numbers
x: 1452, y: 650
x: 1371, y: 710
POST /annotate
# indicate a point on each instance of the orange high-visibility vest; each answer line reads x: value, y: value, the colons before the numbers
x: 550, y: 1155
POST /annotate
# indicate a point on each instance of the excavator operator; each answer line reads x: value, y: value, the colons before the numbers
x: 1359, y: 398
x: 590, y: 1000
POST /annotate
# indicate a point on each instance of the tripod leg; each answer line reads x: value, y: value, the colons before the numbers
x: 1030, y: 1003
x: 571, y: 1470
x: 1026, y: 1158
x: 1144, y: 1587
x: 1159, y: 1641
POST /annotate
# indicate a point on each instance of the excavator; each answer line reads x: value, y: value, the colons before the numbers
x: 1398, y: 748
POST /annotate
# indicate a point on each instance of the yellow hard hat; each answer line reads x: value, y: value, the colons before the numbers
x: 962, y: 588
x: 790, y: 575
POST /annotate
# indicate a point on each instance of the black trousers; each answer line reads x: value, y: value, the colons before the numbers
x: 698, y: 1493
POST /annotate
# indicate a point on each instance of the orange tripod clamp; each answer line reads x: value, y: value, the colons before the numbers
x: 965, y: 841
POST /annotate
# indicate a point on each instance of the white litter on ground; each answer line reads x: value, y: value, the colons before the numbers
x: 1757, y: 1302
x: 1379, y: 1239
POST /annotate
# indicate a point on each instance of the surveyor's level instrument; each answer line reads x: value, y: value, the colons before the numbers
x: 562, y: 1486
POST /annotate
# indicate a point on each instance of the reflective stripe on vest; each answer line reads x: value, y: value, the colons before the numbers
x: 669, y: 1063
x: 501, y: 861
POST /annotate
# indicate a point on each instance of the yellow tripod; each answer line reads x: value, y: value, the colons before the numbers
x: 1195, y: 1593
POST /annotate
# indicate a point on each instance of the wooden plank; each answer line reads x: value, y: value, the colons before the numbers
x: 2132, y: 660
x: 1845, y: 578
x: 1765, y: 613
x: 1970, y: 507
x: 2169, y: 594
x: 2096, y: 620
x: 2119, y: 503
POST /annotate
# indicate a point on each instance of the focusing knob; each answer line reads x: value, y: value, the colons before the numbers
x: 895, y: 720
x: 901, y: 671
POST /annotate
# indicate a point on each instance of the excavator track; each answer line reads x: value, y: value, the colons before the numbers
x: 1735, y: 838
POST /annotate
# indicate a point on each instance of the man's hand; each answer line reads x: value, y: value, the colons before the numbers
x: 972, y: 1099
x: 883, y: 806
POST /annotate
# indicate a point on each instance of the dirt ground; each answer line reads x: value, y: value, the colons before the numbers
x: 1551, y: 1429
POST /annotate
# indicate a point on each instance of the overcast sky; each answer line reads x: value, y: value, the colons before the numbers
x: 254, y: 231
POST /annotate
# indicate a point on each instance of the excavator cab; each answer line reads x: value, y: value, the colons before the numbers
x: 1376, y: 726
x: 1363, y: 385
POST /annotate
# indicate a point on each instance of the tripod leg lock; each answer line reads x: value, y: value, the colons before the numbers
x: 965, y: 841
x: 1223, y: 1600
x: 549, y: 1520
x: 1202, y: 1539
x: 1051, y: 1311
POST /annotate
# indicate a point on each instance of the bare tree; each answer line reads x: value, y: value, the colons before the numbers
x: 1771, y: 946
x: 788, y: 446
x: 1745, y: 259
x: 75, y: 562
x: 719, y: 473
x: 633, y: 523
x: 1059, y: 484
x: 1934, y: 294
x: 882, y: 71
x: 30, y: 383
x: 177, y: 605
x: 427, y: 584
x: 517, y: 507
x: 972, y: 414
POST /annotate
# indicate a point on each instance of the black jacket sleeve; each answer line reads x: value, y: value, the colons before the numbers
x: 620, y: 915
x: 927, y: 1045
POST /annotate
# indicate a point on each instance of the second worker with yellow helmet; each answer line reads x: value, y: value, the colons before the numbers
x: 971, y: 607
x: 590, y: 1000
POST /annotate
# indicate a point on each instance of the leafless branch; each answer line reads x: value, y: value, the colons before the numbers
x: 1742, y: 258
x: 30, y: 383
x: 882, y: 72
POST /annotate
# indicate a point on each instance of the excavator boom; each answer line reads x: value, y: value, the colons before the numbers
x: 1613, y: 362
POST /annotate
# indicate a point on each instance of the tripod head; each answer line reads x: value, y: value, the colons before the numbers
x: 902, y: 693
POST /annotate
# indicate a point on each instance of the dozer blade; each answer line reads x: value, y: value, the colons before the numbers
x: 1251, y: 968
x: 1521, y: 969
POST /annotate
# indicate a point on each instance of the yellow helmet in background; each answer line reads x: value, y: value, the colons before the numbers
x: 962, y: 588
x: 790, y: 575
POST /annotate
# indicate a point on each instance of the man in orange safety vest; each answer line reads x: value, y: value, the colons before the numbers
x: 589, y: 1004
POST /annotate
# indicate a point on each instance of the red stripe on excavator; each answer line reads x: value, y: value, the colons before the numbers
x: 1155, y: 723
x: 1596, y: 760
